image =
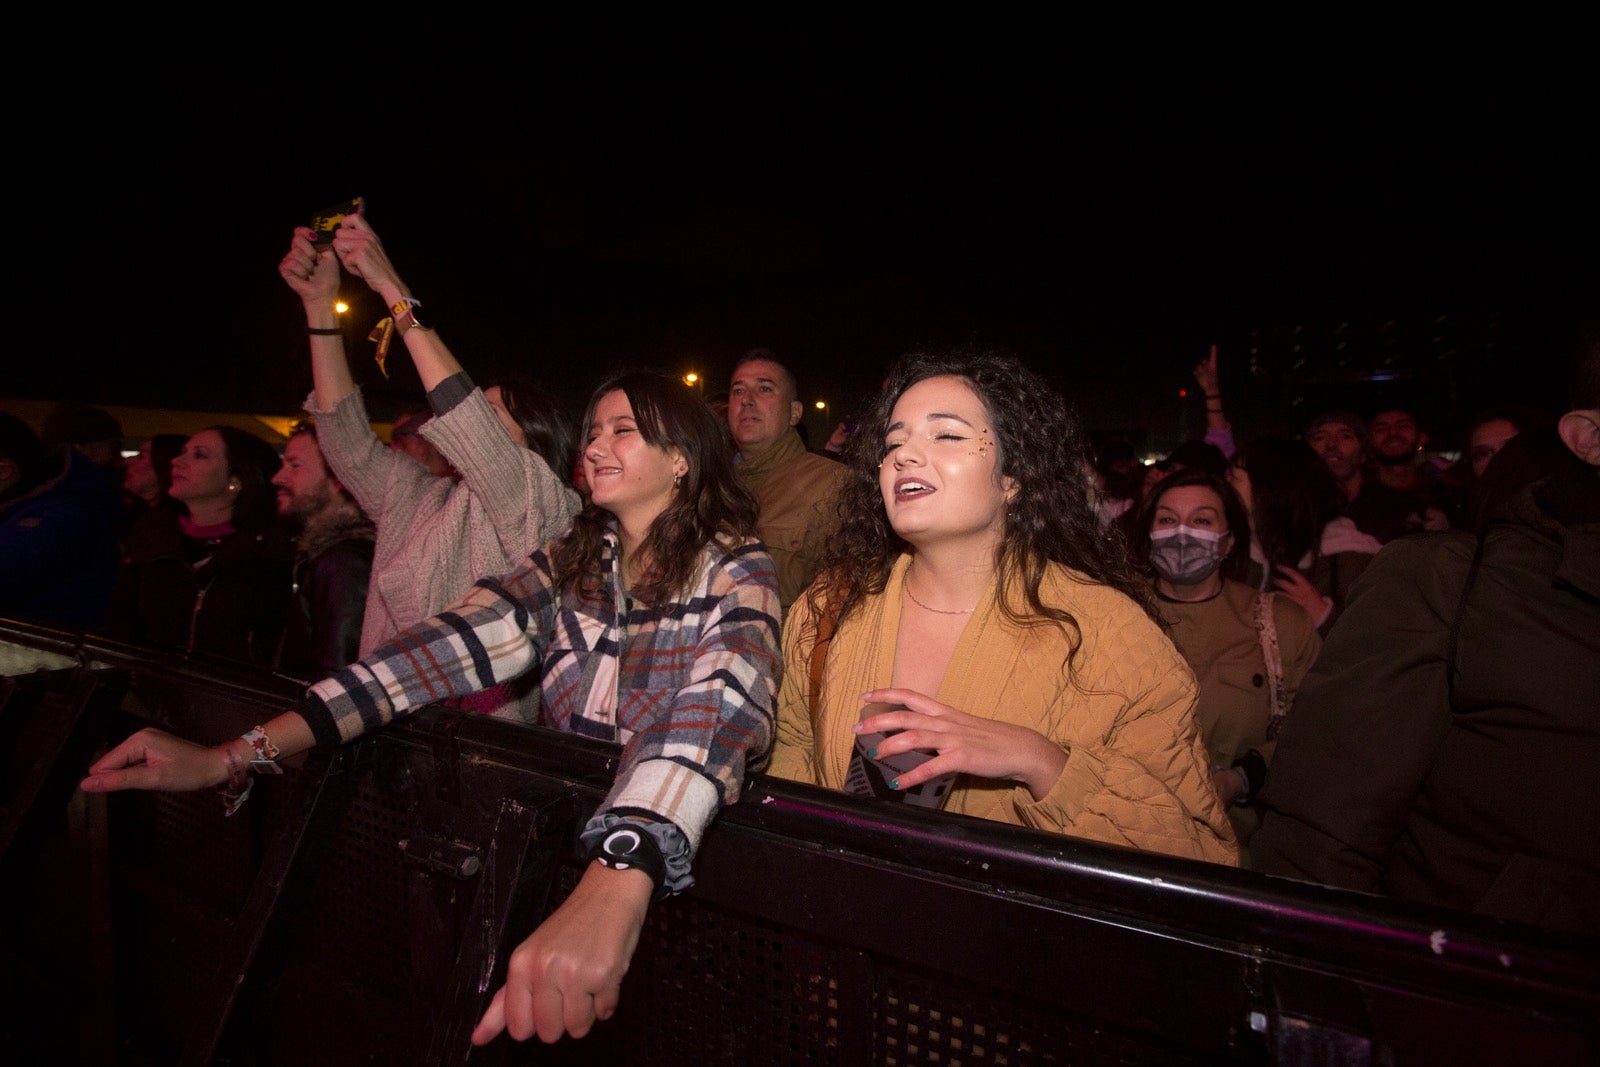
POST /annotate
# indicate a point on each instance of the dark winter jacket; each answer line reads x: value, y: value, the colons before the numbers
x: 58, y: 544
x: 227, y: 596
x: 1453, y: 762
x: 328, y: 598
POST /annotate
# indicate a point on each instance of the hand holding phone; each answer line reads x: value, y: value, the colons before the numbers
x: 870, y: 777
x: 326, y: 222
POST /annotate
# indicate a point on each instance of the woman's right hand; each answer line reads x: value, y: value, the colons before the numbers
x: 153, y: 759
x: 312, y: 274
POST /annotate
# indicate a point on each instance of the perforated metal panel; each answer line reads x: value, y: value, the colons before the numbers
x: 359, y: 917
x: 923, y: 1021
x: 710, y: 987
x: 183, y: 839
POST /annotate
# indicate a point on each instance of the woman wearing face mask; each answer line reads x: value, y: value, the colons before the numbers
x: 1248, y: 649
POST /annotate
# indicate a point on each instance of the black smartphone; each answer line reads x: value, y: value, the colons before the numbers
x: 326, y: 222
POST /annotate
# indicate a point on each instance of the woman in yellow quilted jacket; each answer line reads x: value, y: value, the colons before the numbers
x: 974, y: 644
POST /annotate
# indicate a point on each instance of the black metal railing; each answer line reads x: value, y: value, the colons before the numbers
x: 360, y: 908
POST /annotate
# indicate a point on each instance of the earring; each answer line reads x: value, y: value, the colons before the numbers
x: 677, y: 476
x: 233, y: 487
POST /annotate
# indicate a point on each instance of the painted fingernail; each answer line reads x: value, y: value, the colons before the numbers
x: 895, y: 784
x: 874, y: 753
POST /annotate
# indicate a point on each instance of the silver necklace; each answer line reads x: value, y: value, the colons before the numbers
x: 906, y: 585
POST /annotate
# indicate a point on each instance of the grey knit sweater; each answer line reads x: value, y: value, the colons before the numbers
x: 437, y: 536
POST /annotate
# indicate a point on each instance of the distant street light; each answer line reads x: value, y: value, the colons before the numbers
x: 694, y: 381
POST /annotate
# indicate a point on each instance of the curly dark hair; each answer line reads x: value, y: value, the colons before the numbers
x: 1052, y: 519
x: 710, y: 504
x: 1233, y: 512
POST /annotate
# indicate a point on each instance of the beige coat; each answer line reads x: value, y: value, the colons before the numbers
x: 796, y: 497
x: 1219, y: 639
x: 1136, y: 772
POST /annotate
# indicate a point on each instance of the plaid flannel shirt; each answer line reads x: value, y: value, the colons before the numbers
x: 695, y: 679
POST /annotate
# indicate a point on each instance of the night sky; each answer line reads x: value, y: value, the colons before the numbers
x: 571, y: 193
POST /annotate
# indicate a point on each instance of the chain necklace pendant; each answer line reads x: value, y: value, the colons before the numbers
x: 906, y: 585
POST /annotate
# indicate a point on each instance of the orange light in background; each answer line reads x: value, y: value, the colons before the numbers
x: 340, y: 307
x: 691, y: 379
x: 822, y: 405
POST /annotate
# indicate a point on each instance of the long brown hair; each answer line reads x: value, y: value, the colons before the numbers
x: 1051, y: 520
x: 710, y: 503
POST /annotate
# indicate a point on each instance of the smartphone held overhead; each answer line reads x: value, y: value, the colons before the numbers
x: 326, y: 222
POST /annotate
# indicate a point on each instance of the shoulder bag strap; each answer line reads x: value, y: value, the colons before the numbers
x: 1272, y: 656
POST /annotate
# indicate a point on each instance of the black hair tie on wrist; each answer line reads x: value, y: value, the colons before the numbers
x: 317, y: 331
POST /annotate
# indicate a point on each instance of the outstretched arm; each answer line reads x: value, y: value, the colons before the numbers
x: 482, y: 641
x: 156, y: 760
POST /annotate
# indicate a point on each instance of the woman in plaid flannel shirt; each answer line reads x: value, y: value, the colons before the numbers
x: 655, y: 621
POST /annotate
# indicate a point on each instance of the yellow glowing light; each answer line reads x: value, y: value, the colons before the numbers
x: 340, y: 307
x: 822, y: 405
x: 690, y: 378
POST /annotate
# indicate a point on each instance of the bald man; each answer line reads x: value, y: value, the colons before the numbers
x: 795, y: 491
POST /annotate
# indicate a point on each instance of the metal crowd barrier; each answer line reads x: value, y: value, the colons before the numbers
x: 360, y: 909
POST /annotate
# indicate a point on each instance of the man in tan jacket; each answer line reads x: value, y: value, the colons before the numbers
x: 795, y: 490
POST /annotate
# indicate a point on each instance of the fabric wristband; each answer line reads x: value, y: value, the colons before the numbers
x: 642, y: 853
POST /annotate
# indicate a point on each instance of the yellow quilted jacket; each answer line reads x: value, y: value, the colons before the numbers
x: 1136, y: 772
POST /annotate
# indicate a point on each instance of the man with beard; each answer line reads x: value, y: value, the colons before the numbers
x: 1342, y: 440
x: 1397, y: 444
x: 333, y: 561
x: 1442, y: 748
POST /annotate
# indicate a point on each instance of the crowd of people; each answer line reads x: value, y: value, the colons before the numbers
x: 1324, y: 656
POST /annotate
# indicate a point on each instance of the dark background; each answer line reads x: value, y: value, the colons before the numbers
x: 1334, y: 199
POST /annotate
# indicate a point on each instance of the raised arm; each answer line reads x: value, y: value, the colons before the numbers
x: 512, y: 483
x: 363, y: 255
x: 314, y: 277
x: 353, y: 452
x: 1218, y: 430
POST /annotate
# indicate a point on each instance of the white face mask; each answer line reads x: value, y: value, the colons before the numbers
x: 1184, y: 555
